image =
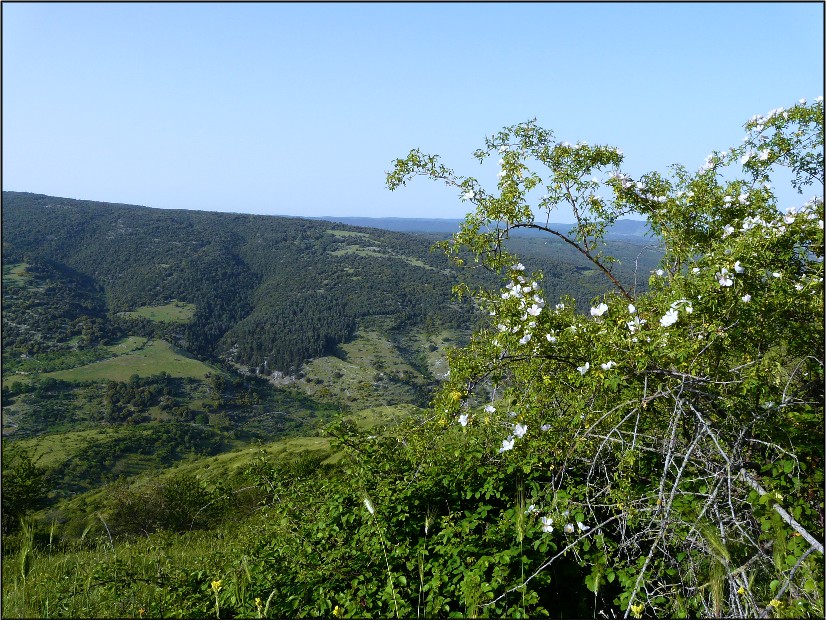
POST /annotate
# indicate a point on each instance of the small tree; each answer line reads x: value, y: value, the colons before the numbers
x: 676, y: 436
x: 23, y: 487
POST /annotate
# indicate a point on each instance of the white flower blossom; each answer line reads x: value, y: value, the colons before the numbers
x: 660, y: 272
x: 525, y: 339
x: 631, y: 309
x: 519, y: 267
x: 547, y: 525
x: 738, y: 267
x: 569, y: 528
x: 695, y: 270
x: 490, y: 409
x: 728, y: 230
x: 463, y: 419
x: 635, y: 324
x: 507, y: 444
x: 531, y: 509
x: 670, y: 317
x: 746, y: 298
x: 583, y: 369
x: 723, y: 278
x: 559, y: 307
x: 599, y: 310
x: 551, y: 339
x: 519, y: 430
x: 468, y: 195
x: 545, y: 428
x: 608, y: 365
x: 764, y: 155
x: 582, y: 527
x: 776, y: 274
x: 369, y: 506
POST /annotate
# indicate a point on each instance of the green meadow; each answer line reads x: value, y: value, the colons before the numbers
x: 154, y: 357
x: 173, y: 312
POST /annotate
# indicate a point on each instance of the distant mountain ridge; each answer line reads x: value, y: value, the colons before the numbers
x: 622, y: 229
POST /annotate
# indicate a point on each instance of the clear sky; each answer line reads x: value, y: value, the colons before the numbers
x: 300, y: 109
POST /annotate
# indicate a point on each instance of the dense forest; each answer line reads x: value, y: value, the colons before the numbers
x: 269, y: 292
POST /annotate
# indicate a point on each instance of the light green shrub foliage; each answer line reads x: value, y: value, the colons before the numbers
x: 656, y: 415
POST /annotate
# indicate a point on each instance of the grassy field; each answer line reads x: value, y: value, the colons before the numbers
x: 127, y: 345
x: 15, y: 274
x: 51, y: 451
x: 173, y: 312
x: 359, y: 250
x: 122, y: 347
x: 153, y: 357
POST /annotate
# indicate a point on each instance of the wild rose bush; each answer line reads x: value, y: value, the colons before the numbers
x: 676, y: 434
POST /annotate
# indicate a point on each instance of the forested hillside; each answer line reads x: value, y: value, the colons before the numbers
x: 265, y: 290
x: 269, y: 292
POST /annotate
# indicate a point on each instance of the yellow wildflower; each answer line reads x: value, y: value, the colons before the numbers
x: 636, y: 610
x: 338, y: 612
x: 741, y: 590
x: 216, y: 586
x: 775, y: 603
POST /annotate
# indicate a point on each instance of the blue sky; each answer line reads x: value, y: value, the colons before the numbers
x: 300, y: 109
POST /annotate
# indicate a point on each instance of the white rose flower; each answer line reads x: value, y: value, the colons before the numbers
x: 670, y: 317
x: 599, y: 310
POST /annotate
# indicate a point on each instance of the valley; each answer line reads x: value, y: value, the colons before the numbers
x: 124, y: 326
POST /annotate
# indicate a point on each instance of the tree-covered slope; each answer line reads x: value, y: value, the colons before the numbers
x: 266, y: 289
x: 269, y: 292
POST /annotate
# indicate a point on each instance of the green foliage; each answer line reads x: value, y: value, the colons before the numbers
x: 659, y: 410
x: 24, y: 487
x: 176, y: 504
